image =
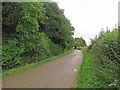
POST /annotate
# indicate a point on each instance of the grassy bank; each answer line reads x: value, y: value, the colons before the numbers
x: 26, y: 67
x: 87, y: 78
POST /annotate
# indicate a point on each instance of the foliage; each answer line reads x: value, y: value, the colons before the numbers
x: 55, y: 49
x: 40, y: 51
x: 23, y: 26
x: 79, y: 43
x: 87, y: 77
x: 56, y: 26
x: 11, y: 55
x: 33, y: 31
x: 26, y: 67
x: 107, y: 58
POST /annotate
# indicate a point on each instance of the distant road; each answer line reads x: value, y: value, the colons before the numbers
x: 60, y: 73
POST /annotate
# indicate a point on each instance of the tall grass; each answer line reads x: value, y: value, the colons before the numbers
x: 87, y: 77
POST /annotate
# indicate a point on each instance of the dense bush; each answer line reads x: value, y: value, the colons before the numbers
x: 40, y: 51
x: 11, y: 54
x: 56, y: 26
x: 32, y: 32
x: 79, y: 43
x: 55, y: 49
x: 20, y: 32
x: 106, y: 51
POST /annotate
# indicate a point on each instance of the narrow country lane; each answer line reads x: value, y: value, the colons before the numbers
x: 60, y: 73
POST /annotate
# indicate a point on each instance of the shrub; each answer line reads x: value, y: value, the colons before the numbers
x: 11, y: 54
x: 39, y: 50
x: 27, y: 36
x: 55, y: 49
x: 106, y: 52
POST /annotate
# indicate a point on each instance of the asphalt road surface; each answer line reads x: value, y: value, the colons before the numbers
x: 61, y: 73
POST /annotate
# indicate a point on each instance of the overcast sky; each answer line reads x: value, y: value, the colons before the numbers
x: 88, y: 17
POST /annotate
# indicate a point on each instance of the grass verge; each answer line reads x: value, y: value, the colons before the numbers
x: 26, y: 67
x: 87, y: 78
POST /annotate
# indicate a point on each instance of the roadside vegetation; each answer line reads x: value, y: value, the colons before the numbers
x: 87, y: 77
x: 101, y: 63
x: 79, y: 43
x: 33, y: 32
x: 26, y: 67
x: 106, y: 53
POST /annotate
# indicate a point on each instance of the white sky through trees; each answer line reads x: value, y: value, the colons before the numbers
x: 88, y: 17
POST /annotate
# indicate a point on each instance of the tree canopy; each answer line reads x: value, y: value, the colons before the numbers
x: 79, y: 42
x: 56, y: 26
x: 33, y: 29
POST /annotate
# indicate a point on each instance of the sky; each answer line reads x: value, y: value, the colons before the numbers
x: 88, y: 17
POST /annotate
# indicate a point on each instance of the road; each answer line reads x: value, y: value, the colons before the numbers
x: 61, y: 73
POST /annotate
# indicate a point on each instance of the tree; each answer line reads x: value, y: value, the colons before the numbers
x: 57, y: 27
x: 79, y: 42
x: 101, y: 33
x: 21, y: 33
x: 33, y: 31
